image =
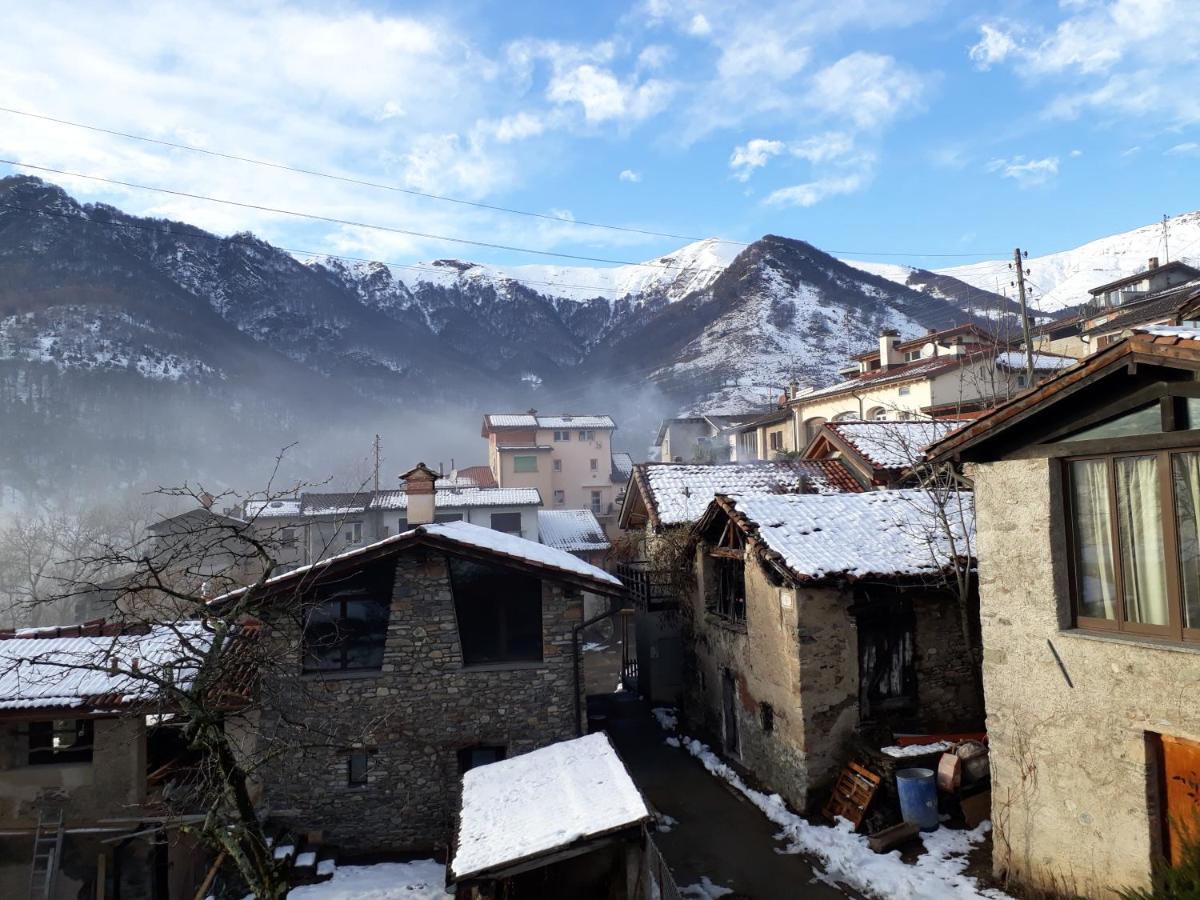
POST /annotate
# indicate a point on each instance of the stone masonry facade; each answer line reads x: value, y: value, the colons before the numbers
x: 1072, y: 769
x: 412, y: 717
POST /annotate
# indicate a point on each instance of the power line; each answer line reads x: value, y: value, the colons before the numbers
x: 163, y: 229
x: 362, y: 182
x: 333, y: 220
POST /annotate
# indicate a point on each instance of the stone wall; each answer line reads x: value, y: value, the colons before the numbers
x: 412, y: 717
x: 948, y: 694
x: 1071, y: 769
x: 111, y: 785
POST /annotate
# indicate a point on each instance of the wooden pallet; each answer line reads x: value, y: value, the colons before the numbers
x: 852, y: 794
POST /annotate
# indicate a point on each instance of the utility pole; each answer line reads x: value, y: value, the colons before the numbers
x: 1018, y: 261
x: 377, y: 464
x: 1166, y: 248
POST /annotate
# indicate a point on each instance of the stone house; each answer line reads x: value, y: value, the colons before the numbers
x: 661, y: 502
x: 567, y: 458
x: 408, y: 661
x: 879, y: 454
x: 87, y: 753
x: 816, y: 618
x: 699, y: 439
x: 1088, y: 495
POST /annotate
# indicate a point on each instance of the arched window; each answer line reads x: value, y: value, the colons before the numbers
x: 845, y: 416
x: 877, y: 414
x: 812, y: 426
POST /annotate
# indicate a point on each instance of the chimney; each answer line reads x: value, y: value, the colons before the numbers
x: 1153, y: 263
x: 793, y: 389
x: 419, y: 484
x: 206, y: 499
x: 888, y: 355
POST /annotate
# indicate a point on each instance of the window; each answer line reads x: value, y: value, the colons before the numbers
x: 729, y: 588
x: 775, y: 440
x: 356, y: 768
x: 353, y: 532
x: 346, y: 632
x: 509, y: 522
x: 288, y: 535
x: 597, y: 502
x: 525, y: 464
x: 1135, y: 545
x: 564, y: 436
x: 587, y: 435
x: 470, y: 757
x: 767, y: 713
x: 560, y: 497
x: 60, y: 741
x: 904, y: 390
x: 499, y: 613
x: 558, y: 465
x: 594, y: 464
x: 447, y: 517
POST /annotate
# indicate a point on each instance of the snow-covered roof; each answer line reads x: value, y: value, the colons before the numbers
x: 92, y: 666
x: 893, y: 445
x: 678, y: 493
x: 1042, y: 362
x: 920, y: 368
x: 457, y: 497
x: 530, y: 420
x: 531, y: 805
x: 272, y: 509
x: 463, y: 533
x: 573, y: 530
x: 1183, y: 332
x: 876, y: 533
x: 622, y: 464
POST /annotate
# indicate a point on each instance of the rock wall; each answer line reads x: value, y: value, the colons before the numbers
x: 412, y: 718
x: 1073, y: 764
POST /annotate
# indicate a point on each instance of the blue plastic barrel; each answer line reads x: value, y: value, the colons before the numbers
x: 918, y: 797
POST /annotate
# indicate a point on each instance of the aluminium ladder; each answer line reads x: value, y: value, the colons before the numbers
x: 47, y: 852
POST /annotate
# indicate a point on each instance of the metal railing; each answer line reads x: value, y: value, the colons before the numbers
x: 657, y: 881
x: 647, y: 589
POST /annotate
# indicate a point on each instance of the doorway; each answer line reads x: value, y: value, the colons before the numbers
x: 729, y: 711
x: 1179, y: 790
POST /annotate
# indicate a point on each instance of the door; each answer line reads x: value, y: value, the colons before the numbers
x: 1180, y: 795
x: 886, y: 673
x: 729, y: 708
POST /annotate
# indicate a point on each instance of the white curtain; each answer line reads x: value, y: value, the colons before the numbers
x: 1143, y: 554
x: 1093, y: 539
x: 1187, y: 516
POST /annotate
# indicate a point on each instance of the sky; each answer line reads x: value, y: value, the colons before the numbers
x: 918, y: 131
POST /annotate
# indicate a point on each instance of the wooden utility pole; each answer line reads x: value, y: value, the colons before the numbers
x: 1019, y: 262
x: 1166, y: 234
x: 376, y: 463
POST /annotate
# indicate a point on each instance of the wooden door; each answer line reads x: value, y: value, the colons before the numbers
x: 1181, y: 794
x: 886, y: 671
x: 729, y: 708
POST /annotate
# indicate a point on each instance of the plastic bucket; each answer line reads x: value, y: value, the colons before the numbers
x: 918, y: 797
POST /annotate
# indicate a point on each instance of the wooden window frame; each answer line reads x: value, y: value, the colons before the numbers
x: 347, y: 635
x: 1174, y: 631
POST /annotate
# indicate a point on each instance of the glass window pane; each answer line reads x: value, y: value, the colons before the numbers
x: 1186, y: 471
x: 1095, y: 571
x: 1143, y: 550
x: 1143, y: 420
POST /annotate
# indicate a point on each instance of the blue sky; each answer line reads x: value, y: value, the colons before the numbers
x: 868, y: 128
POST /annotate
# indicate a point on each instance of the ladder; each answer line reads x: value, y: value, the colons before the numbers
x: 47, y: 851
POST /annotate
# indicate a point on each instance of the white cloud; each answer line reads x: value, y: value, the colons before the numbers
x: 655, y: 56
x: 868, y: 89
x: 1026, y: 172
x: 753, y: 155
x: 1076, y: 153
x: 698, y: 25
x: 518, y: 127
x: 813, y: 192
x: 630, y: 176
x: 1119, y: 58
x: 1132, y: 151
x: 1189, y: 148
x: 604, y: 97
x: 824, y: 147
x: 994, y: 46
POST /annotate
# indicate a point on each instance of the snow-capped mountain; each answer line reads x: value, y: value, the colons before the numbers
x: 1060, y: 280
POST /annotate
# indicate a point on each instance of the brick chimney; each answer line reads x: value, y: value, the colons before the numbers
x: 420, y: 485
x: 889, y: 356
x: 1153, y: 263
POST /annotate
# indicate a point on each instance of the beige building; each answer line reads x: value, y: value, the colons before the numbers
x: 1088, y: 498
x: 944, y: 373
x: 568, y: 459
x: 816, y: 618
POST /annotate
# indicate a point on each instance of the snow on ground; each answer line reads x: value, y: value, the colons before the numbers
x: 424, y: 879
x: 705, y: 890
x: 668, y: 719
x: 938, y: 874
